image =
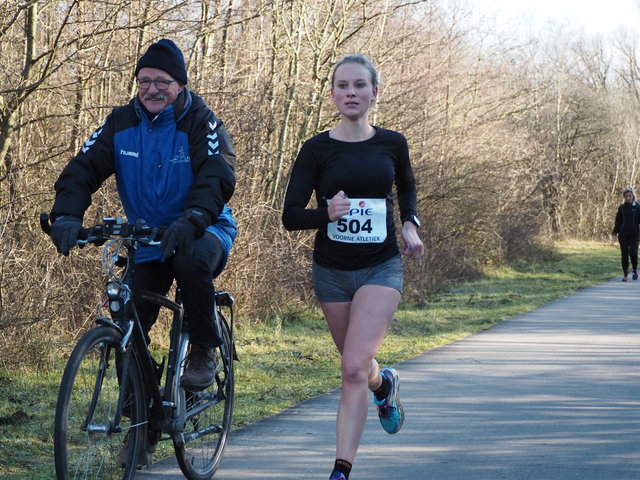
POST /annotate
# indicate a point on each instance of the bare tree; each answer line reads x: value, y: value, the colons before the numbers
x: 504, y: 134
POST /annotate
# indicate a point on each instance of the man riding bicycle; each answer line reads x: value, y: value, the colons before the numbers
x: 174, y: 166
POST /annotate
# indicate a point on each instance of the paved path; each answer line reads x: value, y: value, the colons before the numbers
x: 553, y: 394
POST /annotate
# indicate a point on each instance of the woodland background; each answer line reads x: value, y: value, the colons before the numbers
x: 514, y: 141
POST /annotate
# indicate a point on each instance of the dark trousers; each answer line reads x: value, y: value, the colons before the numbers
x: 628, y: 248
x: 194, y: 276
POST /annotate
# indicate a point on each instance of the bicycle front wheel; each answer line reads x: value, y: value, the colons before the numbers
x: 90, y: 429
x: 208, y: 418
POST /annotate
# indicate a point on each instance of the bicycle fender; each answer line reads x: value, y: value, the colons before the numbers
x: 106, y: 322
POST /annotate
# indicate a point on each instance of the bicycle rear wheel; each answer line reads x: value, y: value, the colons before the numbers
x: 208, y: 418
x: 88, y: 437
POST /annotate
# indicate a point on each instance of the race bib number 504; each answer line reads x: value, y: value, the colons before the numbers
x: 366, y: 222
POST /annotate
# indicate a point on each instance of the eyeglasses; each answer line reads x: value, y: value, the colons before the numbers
x: 160, y: 84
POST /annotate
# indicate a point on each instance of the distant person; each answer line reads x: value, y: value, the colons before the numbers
x: 627, y: 231
x: 357, y: 270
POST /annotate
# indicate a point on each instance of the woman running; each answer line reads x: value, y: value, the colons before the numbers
x: 357, y: 269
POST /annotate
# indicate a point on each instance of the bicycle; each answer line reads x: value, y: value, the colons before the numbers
x: 113, y: 407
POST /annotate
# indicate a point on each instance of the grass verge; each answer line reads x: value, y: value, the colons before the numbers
x: 283, y: 362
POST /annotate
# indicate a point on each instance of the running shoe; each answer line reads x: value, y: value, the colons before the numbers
x: 635, y: 275
x: 625, y: 279
x: 390, y: 409
x: 337, y: 476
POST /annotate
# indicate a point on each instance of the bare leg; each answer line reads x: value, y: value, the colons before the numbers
x: 358, y: 329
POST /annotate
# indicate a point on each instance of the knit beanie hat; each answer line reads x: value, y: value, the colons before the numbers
x: 166, y: 56
x: 628, y: 190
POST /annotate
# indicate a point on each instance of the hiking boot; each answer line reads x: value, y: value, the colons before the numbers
x: 635, y: 275
x: 202, y: 366
x: 337, y: 476
x: 390, y: 409
x: 144, y: 457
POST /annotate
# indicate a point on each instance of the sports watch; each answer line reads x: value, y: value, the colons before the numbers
x: 413, y: 218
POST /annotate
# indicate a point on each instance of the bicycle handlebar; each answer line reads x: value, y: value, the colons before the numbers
x: 112, y: 227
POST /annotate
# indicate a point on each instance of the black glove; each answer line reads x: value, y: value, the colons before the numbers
x: 64, y: 233
x: 183, y: 232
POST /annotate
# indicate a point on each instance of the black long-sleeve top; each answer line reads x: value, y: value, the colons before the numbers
x: 363, y: 170
x: 627, y: 219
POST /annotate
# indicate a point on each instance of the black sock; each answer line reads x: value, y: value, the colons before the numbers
x: 343, y: 467
x: 383, y: 390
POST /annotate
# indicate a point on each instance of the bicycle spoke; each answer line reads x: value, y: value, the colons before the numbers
x: 208, y: 415
x: 90, y: 431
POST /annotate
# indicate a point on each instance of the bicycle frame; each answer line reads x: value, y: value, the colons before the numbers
x: 162, y: 419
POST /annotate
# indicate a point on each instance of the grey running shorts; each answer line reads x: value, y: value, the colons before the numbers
x: 332, y: 285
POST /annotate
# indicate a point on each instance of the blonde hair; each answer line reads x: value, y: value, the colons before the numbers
x: 360, y: 59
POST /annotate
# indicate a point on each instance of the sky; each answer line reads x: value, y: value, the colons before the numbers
x: 594, y: 16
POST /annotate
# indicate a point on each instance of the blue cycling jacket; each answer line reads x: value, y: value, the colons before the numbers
x: 180, y: 159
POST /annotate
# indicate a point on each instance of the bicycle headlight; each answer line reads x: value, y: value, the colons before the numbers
x: 113, y: 291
